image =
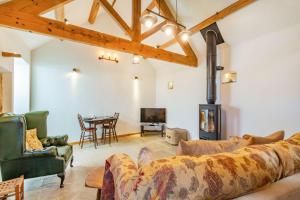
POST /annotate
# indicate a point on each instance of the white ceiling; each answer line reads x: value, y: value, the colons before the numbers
x: 256, y: 19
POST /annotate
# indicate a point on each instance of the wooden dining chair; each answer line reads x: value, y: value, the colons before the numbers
x: 92, y: 133
x: 109, y: 128
x: 116, y: 117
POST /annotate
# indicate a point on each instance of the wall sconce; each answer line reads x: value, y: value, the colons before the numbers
x: 136, y: 59
x: 108, y: 57
x: 135, y: 78
x: 229, y: 77
x: 75, y: 70
x: 170, y: 85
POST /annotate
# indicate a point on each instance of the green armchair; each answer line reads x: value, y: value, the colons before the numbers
x: 16, y: 161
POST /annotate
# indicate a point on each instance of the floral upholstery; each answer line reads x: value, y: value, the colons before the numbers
x: 206, y: 147
x: 218, y: 176
x: 273, y: 137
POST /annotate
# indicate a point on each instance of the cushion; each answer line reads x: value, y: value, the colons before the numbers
x: 38, y: 120
x: 274, y: 137
x: 284, y: 189
x: 65, y: 152
x: 294, y: 139
x: 145, y: 156
x: 55, y: 141
x: 218, y: 176
x: 206, y: 147
x: 32, y: 141
x: 289, y: 153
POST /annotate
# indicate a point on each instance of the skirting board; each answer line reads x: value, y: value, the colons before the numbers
x: 119, y: 136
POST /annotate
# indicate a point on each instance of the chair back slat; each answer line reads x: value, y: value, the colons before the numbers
x: 81, y: 123
x: 116, y: 117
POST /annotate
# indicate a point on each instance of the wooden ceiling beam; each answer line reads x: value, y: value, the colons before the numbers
x: 9, y: 54
x: 153, y: 30
x: 212, y: 19
x: 117, y: 17
x: 37, y: 24
x: 94, y: 11
x: 136, y: 24
x: 184, y: 44
x: 113, y: 3
x: 150, y: 7
x: 60, y: 13
x: 35, y: 7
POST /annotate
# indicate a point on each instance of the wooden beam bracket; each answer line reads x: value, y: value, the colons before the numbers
x: 12, y: 55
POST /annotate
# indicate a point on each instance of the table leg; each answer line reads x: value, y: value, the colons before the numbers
x: 99, y: 194
x: 142, y: 130
x: 162, y: 130
x: 96, y: 139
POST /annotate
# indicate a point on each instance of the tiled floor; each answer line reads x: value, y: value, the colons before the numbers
x: 85, y: 159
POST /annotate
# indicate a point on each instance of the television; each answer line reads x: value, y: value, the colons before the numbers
x: 153, y: 115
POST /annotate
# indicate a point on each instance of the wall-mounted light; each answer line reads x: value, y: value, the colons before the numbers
x: 135, y: 78
x: 76, y: 70
x: 229, y: 77
x: 170, y: 85
x: 108, y: 56
x: 136, y: 59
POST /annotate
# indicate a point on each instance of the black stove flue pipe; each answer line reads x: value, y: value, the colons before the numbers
x: 211, y: 59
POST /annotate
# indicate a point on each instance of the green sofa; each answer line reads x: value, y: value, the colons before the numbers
x: 16, y: 161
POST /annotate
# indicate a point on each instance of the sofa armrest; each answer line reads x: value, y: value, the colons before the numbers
x: 55, y: 141
x: 120, y: 177
x: 47, y: 152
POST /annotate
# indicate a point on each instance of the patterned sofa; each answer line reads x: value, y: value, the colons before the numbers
x: 218, y: 176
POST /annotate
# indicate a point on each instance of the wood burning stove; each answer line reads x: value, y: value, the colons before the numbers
x: 210, y: 121
x: 210, y: 114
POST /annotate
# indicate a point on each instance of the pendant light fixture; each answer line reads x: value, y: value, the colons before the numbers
x: 185, y: 35
x: 172, y: 27
x: 148, y: 20
x: 136, y: 59
x: 169, y: 28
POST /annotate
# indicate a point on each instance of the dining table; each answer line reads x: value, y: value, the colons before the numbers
x: 98, y: 120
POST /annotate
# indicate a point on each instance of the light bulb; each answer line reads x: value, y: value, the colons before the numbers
x: 168, y: 31
x: 148, y: 20
x: 136, y: 59
x: 115, y: 56
x: 66, y: 21
x: 185, y: 35
x: 102, y: 53
x: 169, y: 28
x: 148, y: 23
x: 108, y: 55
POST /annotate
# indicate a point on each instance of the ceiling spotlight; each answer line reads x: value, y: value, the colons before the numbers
x: 66, y: 21
x: 169, y: 28
x: 148, y: 20
x: 136, y: 59
x: 185, y: 35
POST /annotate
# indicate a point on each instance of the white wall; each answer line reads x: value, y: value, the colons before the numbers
x: 264, y: 49
x: 101, y: 87
x: 10, y: 42
x: 21, y: 86
x: 7, y: 87
x: 267, y: 95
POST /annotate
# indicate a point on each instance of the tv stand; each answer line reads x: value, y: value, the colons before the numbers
x: 144, y: 128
